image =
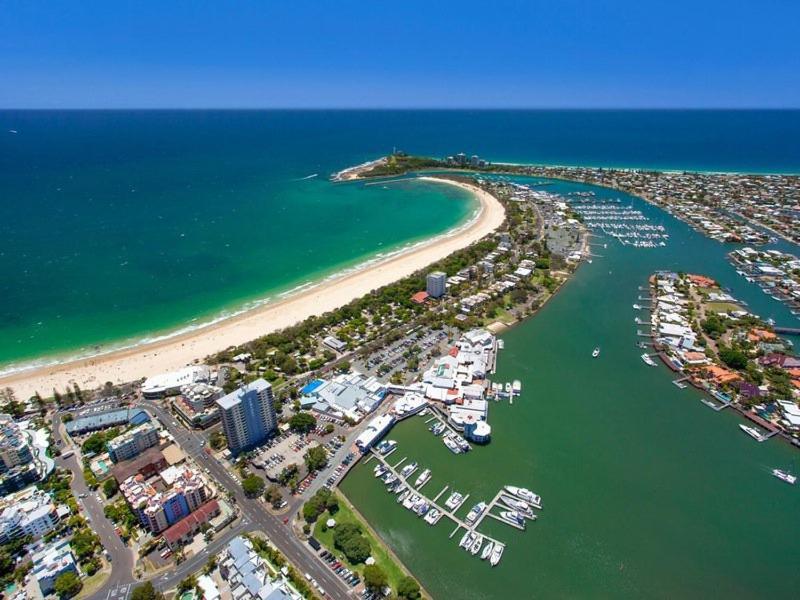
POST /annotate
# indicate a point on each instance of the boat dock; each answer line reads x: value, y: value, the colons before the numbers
x: 460, y: 524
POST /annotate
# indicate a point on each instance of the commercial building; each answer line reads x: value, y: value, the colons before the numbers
x: 157, y: 509
x: 132, y: 443
x: 376, y: 429
x: 169, y: 384
x: 93, y: 420
x: 436, y: 284
x: 248, y: 416
x: 50, y: 562
x: 347, y: 394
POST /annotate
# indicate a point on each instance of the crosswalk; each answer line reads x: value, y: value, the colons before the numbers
x: 121, y: 592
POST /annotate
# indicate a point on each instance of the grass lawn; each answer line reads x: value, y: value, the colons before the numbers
x: 379, y: 552
x: 722, y: 307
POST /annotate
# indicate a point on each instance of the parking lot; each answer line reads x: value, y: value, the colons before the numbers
x: 383, y: 363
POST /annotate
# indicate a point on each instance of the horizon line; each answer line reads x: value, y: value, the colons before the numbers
x: 410, y: 108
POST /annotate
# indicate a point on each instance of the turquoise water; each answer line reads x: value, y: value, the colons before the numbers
x: 647, y: 493
x: 116, y: 226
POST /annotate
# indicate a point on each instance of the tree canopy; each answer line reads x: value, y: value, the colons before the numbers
x: 67, y: 584
x: 303, y: 422
x: 316, y: 458
x: 375, y: 577
x: 253, y: 486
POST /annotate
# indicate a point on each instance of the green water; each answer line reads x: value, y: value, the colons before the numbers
x: 647, y: 492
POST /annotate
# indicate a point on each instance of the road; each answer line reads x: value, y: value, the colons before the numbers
x: 121, y: 556
x: 254, y: 517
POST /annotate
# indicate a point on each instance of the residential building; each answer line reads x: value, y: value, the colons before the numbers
x: 30, y: 512
x: 197, y: 404
x: 248, y: 415
x: 184, y: 530
x: 436, y: 284
x: 133, y: 442
x: 247, y: 574
x: 50, y: 562
x: 157, y: 509
x: 150, y: 462
x: 17, y: 468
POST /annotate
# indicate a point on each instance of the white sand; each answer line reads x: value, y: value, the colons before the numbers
x: 175, y: 352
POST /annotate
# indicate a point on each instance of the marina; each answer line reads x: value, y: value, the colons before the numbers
x: 629, y: 226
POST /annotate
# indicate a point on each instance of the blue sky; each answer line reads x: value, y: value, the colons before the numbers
x: 373, y: 53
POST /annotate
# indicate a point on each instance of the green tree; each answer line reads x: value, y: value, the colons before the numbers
x: 375, y: 578
x: 408, y: 589
x: 146, y: 591
x: 110, y: 487
x: 217, y: 440
x: 67, y: 584
x: 273, y: 495
x: 253, y: 486
x: 303, y: 422
x: 316, y: 458
x: 186, y: 584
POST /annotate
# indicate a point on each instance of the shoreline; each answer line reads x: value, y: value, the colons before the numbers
x: 174, y: 352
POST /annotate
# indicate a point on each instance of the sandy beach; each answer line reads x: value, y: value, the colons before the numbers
x: 175, y: 352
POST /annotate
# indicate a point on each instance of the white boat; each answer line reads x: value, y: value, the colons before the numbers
x: 408, y: 469
x: 475, y: 512
x: 516, y: 387
x: 476, y: 545
x: 380, y: 471
x: 454, y: 500
x: 497, y: 554
x: 432, y: 517
x: 514, y: 516
x: 596, y: 352
x: 507, y: 388
x: 386, y: 446
x: 466, y: 540
x: 422, y: 509
x: 451, y: 444
x: 648, y: 361
x: 785, y: 476
x: 423, y: 412
x: 462, y: 443
x: 516, y: 504
x: 487, y: 550
x: 389, y: 478
x: 403, y: 496
x: 525, y: 494
x: 753, y: 433
x: 423, y: 478
x: 637, y: 307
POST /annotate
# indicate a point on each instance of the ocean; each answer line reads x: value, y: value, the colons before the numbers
x: 120, y: 226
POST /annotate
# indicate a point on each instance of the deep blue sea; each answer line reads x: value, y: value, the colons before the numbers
x: 120, y: 225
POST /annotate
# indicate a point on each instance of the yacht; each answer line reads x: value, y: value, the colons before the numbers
x: 637, y: 307
x: 475, y: 512
x: 596, y: 352
x: 752, y: 432
x: 507, y: 388
x: 784, y: 476
x: 462, y: 443
x: 496, y: 555
x: 514, y: 516
x: 432, y: 517
x: 466, y: 541
x: 386, y: 446
x: 525, y: 494
x: 423, y: 412
x: 390, y: 478
x: 487, y: 550
x: 423, y: 508
x: 380, y: 471
x: 476, y: 545
x: 451, y: 444
x: 409, y: 469
x: 423, y: 478
x: 437, y: 428
x: 454, y: 500
x: 516, y: 387
x: 647, y: 360
x: 403, y: 496
x: 517, y: 504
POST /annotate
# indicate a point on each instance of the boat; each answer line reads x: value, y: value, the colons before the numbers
x: 507, y: 388
x: 637, y: 307
x: 516, y: 387
x: 437, y: 428
x: 390, y: 478
x: 596, y: 352
x: 451, y: 444
x: 422, y: 508
x: 785, y: 476
x: 648, y: 361
x: 475, y: 512
x: 423, y: 478
x: 496, y: 555
x: 433, y: 516
x: 752, y: 432
x: 466, y: 541
x: 525, y: 494
x: 380, y: 471
x: 408, y: 469
x: 487, y: 550
x: 386, y: 446
x: 514, y: 516
x: 517, y: 504
x: 403, y: 496
x: 476, y: 545
x: 454, y: 500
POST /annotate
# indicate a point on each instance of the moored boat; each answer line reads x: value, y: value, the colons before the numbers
x: 476, y: 545
x: 423, y: 478
x: 752, y: 432
x: 647, y: 360
x: 497, y: 554
x: 475, y: 512
x: 487, y: 550
x: 785, y: 476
